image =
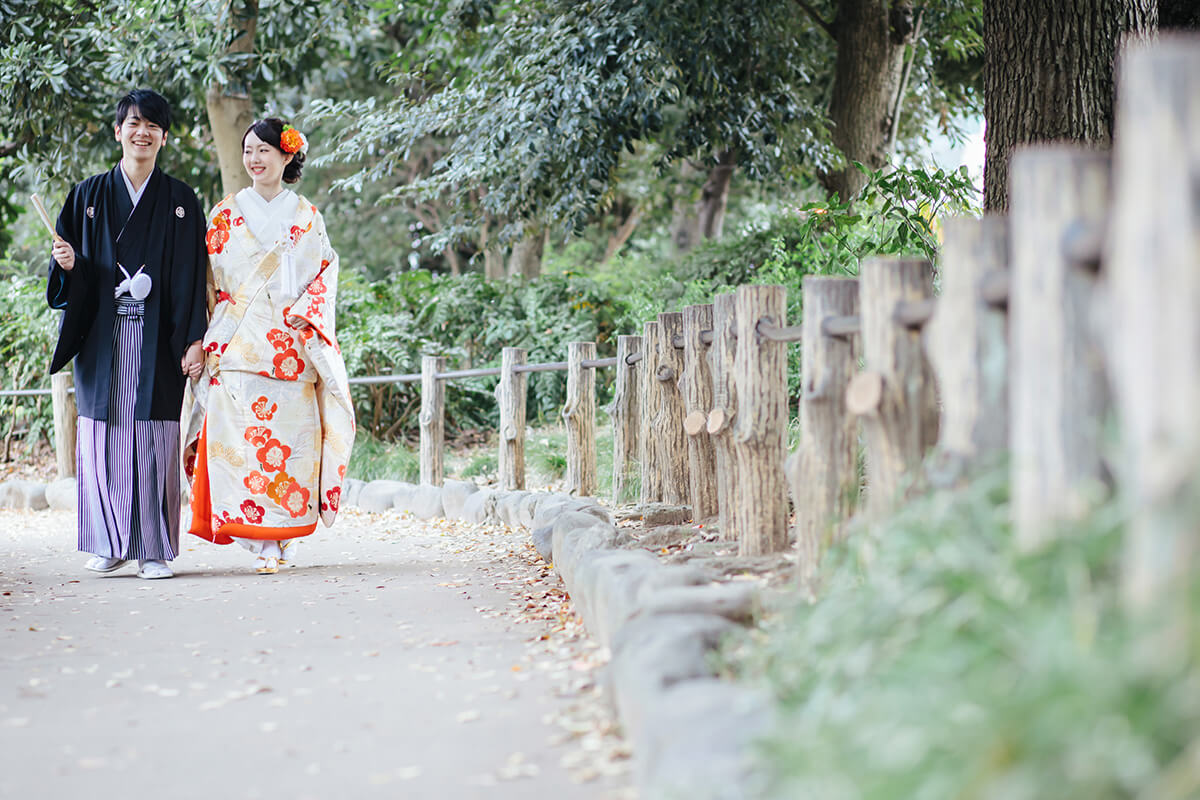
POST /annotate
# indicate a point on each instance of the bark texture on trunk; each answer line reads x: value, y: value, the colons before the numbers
x: 871, y: 39
x: 704, y: 218
x: 1048, y: 76
x: 714, y: 196
x: 526, y: 258
x: 231, y: 110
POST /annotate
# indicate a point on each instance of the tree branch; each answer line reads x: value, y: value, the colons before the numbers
x: 894, y: 131
x: 817, y: 18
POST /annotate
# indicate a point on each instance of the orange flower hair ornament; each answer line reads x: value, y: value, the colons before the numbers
x: 292, y: 140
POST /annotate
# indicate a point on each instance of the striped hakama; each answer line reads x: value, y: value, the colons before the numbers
x: 128, y: 468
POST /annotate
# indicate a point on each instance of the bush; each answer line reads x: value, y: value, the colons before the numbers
x: 386, y: 326
x: 942, y: 663
x: 28, y: 331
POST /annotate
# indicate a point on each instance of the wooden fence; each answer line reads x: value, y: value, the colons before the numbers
x: 1081, y: 308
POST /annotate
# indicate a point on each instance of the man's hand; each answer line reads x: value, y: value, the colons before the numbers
x: 192, y: 363
x: 64, y: 254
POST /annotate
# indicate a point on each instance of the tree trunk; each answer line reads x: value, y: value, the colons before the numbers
x: 526, y: 258
x: 230, y: 110
x: 867, y: 84
x: 685, y: 227
x: 704, y: 218
x: 1048, y: 76
x: 621, y: 235
x: 493, y: 262
x: 714, y: 195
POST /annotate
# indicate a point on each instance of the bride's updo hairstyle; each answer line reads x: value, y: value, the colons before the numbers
x: 271, y: 130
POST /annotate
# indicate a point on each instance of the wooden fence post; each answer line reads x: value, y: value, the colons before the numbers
x: 1058, y: 397
x: 433, y: 419
x: 1153, y: 266
x: 721, y: 356
x: 579, y: 415
x: 696, y: 387
x: 668, y: 427
x: 651, y: 400
x: 65, y: 416
x: 760, y: 432
x: 967, y: 344
x: 510, y: 395
x: 626, y: 416
x: 894, y: 395
x: 823, y: 472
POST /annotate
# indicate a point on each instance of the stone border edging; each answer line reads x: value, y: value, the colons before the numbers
x: 691, y: 733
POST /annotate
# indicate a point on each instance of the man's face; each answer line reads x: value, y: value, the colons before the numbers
x: 140, y: 138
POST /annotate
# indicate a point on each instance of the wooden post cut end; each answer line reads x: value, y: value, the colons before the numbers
x: 695, y: 422
x: 717, y: 420
x: 864, y: 393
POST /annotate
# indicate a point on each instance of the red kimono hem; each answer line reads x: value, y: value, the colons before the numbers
x: 202, y: 510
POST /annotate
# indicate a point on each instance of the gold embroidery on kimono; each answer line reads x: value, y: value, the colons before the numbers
x: 271, y: 422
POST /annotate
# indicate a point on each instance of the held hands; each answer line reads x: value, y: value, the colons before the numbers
x: 193, y: 360
x: 63, y: 253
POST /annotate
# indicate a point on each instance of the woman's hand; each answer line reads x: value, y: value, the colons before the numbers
x: 192, y: 363
x: 64, y: 254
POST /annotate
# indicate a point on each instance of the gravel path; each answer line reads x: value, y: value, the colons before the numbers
x: 397, y: 659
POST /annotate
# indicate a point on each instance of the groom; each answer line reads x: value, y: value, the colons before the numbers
x: 128, y: 271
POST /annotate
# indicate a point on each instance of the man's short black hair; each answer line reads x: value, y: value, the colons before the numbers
x: 151, y: 106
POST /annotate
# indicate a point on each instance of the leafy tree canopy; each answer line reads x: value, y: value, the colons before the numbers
x: 65, y: 63
x: 542, y: 98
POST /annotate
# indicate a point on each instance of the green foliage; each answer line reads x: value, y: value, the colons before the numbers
x: 547, y: 96
x: 940, y: 662
x: 65, y: 63
x: 386, y: 326
x: 547, y: 454
x: 485, y: 464
x: 28, y: 331
x: 372, y: 459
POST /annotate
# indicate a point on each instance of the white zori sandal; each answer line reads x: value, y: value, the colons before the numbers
x: 105, y: 565
x: 266, y: 565
x: 287, y: 550
x: 154, y: 569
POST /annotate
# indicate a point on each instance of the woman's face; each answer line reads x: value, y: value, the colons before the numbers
x: 263, y: 162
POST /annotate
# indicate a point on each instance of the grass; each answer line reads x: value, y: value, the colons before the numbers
x: 545, y: 458
x: 372, y: 459
x: 941, y: 663
x: 482, y: 464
